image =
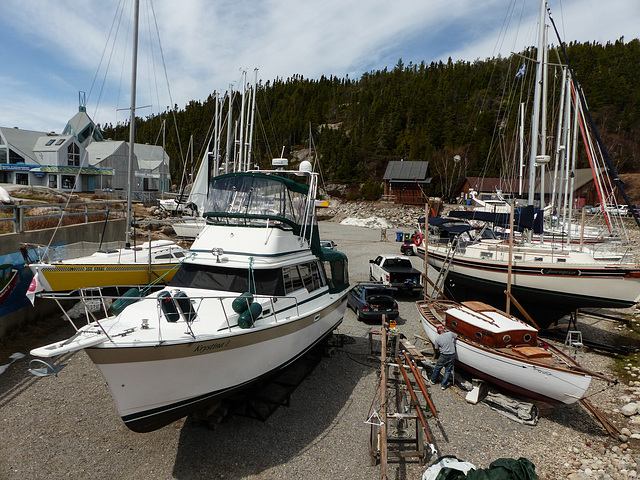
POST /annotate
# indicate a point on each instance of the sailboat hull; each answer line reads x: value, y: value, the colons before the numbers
x: 112, y: 268
x: 61, y: 278
x: 530, y: 378
x: 563, y: 286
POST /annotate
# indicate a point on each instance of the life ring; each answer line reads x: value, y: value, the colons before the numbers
x: 417, y: 239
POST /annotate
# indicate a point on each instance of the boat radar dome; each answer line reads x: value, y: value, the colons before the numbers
x: 305, y: 166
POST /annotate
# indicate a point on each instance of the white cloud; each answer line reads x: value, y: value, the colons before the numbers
x: 206, y: 45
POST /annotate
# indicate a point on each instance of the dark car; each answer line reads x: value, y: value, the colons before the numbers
x: 371, y: 301
x: 328, y: 244
x: 407, y: 247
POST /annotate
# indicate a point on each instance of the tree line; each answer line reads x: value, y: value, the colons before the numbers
x: 416, y: 112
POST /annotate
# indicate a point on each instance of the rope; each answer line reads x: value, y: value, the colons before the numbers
x: 252, y: 279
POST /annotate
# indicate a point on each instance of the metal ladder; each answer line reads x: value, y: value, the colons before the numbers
x: 446, y: 264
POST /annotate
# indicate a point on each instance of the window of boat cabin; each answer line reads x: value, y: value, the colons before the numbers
x: 247, y: 199
x: 308, y: 275
x: 292, y: 279
x: 263, y: 282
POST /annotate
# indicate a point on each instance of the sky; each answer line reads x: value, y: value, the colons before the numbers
x: 53, y: 49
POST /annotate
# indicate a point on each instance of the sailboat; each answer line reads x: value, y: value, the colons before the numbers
x: 503, y: 350
x: 128, y: 266
x: 256, y: 292
x: 556, y: 277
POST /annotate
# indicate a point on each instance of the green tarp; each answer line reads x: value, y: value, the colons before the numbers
x: 501, y: 469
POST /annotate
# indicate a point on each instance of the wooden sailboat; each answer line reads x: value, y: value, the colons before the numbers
x: 503, y: 350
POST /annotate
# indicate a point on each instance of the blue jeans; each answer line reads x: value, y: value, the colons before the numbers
x: 445, y: 361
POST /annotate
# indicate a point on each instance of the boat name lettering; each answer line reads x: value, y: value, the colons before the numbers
x: 212, y: 346
x: 553, y: 271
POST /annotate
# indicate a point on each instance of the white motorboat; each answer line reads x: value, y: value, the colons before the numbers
x: 503, y: 350
x: 253, y: 296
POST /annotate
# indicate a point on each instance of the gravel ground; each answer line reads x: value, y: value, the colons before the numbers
x: 68, y: 427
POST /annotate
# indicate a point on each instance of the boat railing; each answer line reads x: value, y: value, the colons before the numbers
x: 613, y: 251
x: 56, y: 253
x: 94, y: 305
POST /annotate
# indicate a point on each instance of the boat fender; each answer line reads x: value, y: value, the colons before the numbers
x: 249, y: 316
x: 130, y: 296
x: 168, y: 306
x: 241, y: 303
x: 185, y: 306
x: 417, y: 239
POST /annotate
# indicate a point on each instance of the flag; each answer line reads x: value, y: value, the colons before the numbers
x: 34, y: 287
x: 522, y: 71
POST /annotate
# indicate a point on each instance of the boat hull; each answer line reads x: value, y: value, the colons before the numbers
x: 68, y: 277
x: 561, y: 287
x: 155, y: 385
x: 8, y: 287
x: 529, y: 379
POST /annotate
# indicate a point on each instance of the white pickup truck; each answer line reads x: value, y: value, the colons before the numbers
x: 396, y: 272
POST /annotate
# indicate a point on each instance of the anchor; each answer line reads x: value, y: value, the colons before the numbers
x: 46, y: 370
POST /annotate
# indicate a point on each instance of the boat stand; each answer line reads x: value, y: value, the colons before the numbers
x: 399, y: 429
x: 262, y: 399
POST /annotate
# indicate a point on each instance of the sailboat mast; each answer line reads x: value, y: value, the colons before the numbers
x: 253, y: 117
x: 229, y: 117
x: 216, y: 141
x: 542, y: 155
x: 241, y: 162
x: 535, y: 124
x: 132, y: 121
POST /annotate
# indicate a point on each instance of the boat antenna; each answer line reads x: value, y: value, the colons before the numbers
x: 592, y: 124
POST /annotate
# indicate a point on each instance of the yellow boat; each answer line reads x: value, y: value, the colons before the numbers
x: 104, y: 268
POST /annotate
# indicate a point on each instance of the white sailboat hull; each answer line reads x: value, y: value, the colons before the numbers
x: 529, y: 379
x: 556, y: 279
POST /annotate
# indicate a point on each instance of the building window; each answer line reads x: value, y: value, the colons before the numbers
x: 15, y: 157
x: 50, y: 142
x: 73, y: 155
x: 53, y: 181
x: 60, y: 142
x: 22, y: 178
x: 68, y: 181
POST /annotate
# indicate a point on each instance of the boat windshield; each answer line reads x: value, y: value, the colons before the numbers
x: 243, y: 196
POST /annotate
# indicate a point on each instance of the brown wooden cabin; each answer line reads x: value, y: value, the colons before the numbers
x: 507, y: 339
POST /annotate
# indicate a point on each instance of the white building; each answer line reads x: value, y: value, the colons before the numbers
x: 79, y: 159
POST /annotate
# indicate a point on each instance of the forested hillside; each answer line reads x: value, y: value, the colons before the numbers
x: 418, y: 112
